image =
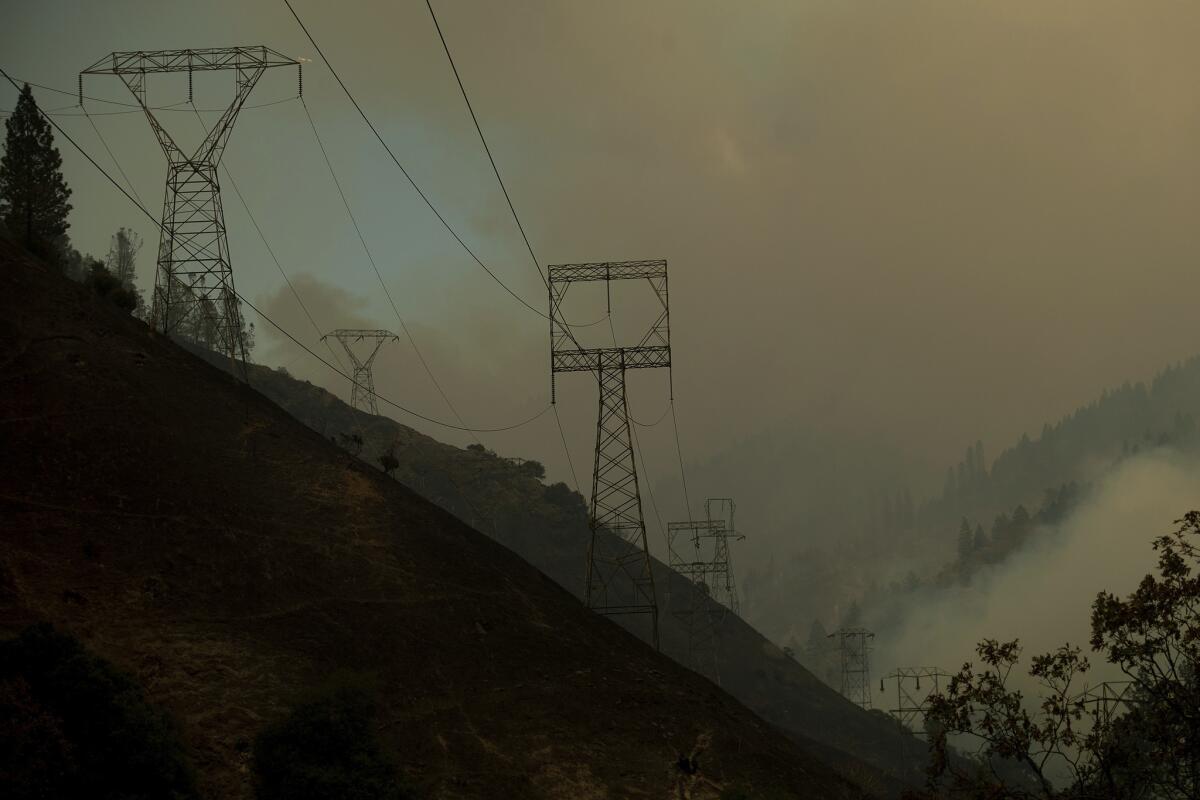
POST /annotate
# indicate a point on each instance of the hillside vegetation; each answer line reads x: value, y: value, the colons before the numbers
x: 200, y: 539
x: 547, y: 525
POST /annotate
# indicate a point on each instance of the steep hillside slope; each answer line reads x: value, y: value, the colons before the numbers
x: 199, y: 537
x: 547, y: 525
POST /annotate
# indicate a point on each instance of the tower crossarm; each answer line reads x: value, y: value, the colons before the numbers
x: 590, y: 360
x: 133, y: 66
x: 362, y: 333
x: 607, y: 271
x: 134, y: 62
x: 652, y: 350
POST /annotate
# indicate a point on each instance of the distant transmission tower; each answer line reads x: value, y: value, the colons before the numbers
x: 720, y: 509
x: 193, y: 286
x: 619, y: 575
x: 1107, y: 699
x: 362, y: 382
x: 698, y: 550
x: 854, y: 646
x: 912, y: 701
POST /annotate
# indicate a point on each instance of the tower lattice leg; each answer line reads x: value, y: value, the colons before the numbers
x: 193, y: 284
x: 620, y: 579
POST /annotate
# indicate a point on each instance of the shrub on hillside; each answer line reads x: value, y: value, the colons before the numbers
x: 72, y: 725
x: 105, y: 284
x: 327, y: 749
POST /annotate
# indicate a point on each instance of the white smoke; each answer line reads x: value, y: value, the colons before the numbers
x: 1043, y: 595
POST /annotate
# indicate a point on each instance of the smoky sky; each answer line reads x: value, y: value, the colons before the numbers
x: 929, y: 222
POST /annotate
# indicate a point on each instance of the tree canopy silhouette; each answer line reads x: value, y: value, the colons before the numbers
x: 33, y: 194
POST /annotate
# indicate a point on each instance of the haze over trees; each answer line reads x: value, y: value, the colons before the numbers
x: 888, y: 546
x: 73, y: 725
x: 1071, y: 745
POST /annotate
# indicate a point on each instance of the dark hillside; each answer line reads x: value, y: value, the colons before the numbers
x: 228, y: 557
x: 547, y: 525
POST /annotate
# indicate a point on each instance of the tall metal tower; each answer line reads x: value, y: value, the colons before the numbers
x: 854, y: 646
x: 699, y: 551
x: 690, y: 548
x: 720, y: 509
x: 912, y: 701
x: 619, y: 575
x: 362, y: 382
x: 193, y: 285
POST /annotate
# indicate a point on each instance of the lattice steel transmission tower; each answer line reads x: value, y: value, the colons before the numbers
x: 194, y: 293
x: 362, y: 382
x: 720, y: 509
x: 911, y: 700
x: 698, y: 550
x: 854, y: 647
x: 619, y: 575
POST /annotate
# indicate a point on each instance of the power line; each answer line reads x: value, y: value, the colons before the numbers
x: 258, y: 311
x: 496, y: 171
x: 61, y: 112
x: 386, y: 400
x: 483, y: 139
x: 679, y: 452
x: 136, y: 108
x: 404, y: 171
x: 567, y: 450
x: 649, y: 489
x: 271, y: 253
x: 370, y: 258
x: 108, y: 150
x: 669, y: 409
x: 654, y: 424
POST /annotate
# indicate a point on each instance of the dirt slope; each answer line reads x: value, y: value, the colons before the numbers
x: 196, y: 535
x: 548, y: 527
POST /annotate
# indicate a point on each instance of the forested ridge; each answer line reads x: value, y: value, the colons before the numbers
x: 985, y: 510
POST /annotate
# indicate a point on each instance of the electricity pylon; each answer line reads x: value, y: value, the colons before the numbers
x: 854, y: 646
x: 689, y: 546
x: 720, y: 509
x: 911, y: 700
x: 194, y: 293
x: 699, y: 551
x: 619, y: 575
x: 362, y: 382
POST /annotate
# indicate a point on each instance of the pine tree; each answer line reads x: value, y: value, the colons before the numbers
x: 33, y: 194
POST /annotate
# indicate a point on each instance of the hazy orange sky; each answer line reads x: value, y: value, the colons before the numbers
x: 938, y: 221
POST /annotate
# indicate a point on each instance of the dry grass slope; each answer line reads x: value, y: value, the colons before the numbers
x: 197, y: 536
